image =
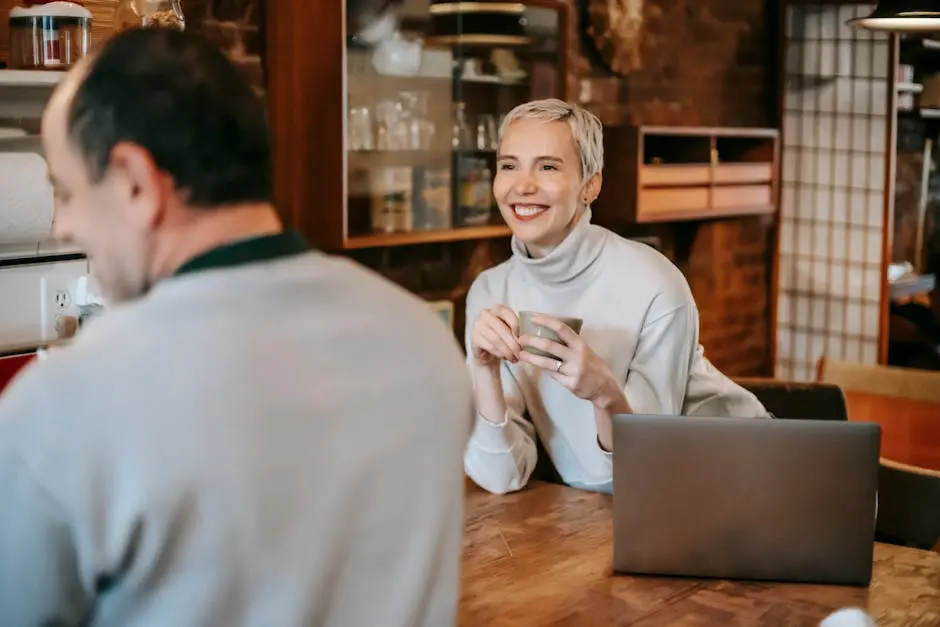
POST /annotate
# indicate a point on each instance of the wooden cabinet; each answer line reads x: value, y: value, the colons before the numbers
x: 666, y: 174
x: 373, y: 151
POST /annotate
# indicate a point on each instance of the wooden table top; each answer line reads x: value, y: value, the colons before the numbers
x: 543, y: 557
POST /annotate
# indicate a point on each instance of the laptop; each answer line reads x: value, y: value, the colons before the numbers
x: 745, y: 498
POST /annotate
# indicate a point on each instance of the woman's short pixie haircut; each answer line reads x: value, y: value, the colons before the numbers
x: 586, y: 129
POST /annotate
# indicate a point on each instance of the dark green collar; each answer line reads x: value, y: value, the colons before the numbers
x: 263, y: 248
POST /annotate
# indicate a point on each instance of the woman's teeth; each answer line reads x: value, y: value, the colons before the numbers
x: 528, y: 211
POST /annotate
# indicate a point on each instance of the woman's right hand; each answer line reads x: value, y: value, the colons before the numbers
x: 493, y: 337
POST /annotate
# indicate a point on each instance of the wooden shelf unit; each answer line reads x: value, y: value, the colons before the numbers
x: 456, y: 234
x: 29, y: 78
x: 670, y: 174
x: 23, y: 93
x: 330, y: 191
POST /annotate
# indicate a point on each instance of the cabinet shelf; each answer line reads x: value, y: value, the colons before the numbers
x: 378, y: 240
x: 23, y: 93
x: 669, y: 174
x: 29, y: 78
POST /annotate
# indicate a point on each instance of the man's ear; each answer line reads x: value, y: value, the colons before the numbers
x: 139, y: 184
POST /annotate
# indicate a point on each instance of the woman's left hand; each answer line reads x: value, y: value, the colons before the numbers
x: 578, y: 368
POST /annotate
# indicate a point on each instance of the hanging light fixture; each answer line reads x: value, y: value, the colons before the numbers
x: 902, y: 16
x: 477, y: 23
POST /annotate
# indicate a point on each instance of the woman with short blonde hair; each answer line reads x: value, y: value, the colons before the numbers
x: 637, y: 350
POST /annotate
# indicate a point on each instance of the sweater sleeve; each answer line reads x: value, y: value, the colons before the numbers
x: 659, y: 372
x: 500, y: 457
x: 39, y: 582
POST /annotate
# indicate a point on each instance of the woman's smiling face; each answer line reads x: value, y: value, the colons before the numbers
x: 538, y: 184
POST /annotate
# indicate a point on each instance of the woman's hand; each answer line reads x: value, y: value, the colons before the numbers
x: 578, y: 368
x: 493, y: 337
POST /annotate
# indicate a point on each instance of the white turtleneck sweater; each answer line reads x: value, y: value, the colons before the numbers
x: 639, y: 316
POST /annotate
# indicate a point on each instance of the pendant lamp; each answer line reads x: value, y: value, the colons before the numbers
x: 479, y: 23
x: 902, y: 16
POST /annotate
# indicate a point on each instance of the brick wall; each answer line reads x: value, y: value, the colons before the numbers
x: 702, y: 63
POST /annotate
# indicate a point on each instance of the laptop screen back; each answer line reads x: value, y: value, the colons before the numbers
x: 782, y: 500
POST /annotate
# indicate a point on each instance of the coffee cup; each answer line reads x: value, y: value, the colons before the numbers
x: 528, y: 327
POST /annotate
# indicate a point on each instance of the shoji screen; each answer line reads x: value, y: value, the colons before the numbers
x: 835, y: 133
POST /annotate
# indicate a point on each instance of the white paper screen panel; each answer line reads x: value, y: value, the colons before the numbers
x: 835, y: 141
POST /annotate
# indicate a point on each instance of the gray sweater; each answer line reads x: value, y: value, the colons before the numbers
x: 276, y: 444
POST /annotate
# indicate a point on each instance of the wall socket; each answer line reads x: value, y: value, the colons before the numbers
x: 33, y: 297
x: 58, y: 310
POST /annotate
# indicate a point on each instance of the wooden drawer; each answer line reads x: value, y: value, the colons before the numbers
x: 671, y: 174
x: 730, y: 173
x: 692, y: 199
x: 742, y: 196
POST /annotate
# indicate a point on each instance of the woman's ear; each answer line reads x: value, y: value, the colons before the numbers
x: 592, y: 189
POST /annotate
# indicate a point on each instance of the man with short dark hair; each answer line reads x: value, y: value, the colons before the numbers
x: 254, y: 433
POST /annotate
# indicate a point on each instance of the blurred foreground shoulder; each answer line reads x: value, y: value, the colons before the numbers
x: 411, y: 315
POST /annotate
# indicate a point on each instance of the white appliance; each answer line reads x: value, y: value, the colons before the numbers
x: 44, y: 287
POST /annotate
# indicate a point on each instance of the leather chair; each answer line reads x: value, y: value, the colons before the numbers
x: 796, y: 400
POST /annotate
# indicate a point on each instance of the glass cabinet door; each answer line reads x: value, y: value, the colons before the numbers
x: 423, y: 112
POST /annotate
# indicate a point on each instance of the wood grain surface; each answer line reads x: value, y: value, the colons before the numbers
x: 543, y: 557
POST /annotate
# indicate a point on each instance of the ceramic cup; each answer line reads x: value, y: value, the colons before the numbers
x: 527, y: 327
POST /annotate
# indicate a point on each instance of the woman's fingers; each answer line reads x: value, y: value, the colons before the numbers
x: 565, y: 333
x: 560, y: 351
x: 545, y: 363
x: 508, y: 316
x: 497, y: 324
x: 484, y: 350
x: 497, y: 341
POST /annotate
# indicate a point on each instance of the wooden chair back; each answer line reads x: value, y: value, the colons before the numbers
x: 904, y: 401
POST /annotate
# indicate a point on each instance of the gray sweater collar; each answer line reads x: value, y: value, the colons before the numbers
x: 570, y: 259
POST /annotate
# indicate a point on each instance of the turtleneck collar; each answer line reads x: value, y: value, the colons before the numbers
x: 571, y: 258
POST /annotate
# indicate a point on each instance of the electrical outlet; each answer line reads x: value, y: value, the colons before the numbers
x: 62, y: 299
x: 28, y: 296
x: 57, y: 308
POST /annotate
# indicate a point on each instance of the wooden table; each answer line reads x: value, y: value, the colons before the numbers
x: 543, y: 557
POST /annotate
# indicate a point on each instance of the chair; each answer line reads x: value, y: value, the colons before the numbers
x: 906, y: 403
x: 909, y: 505
x: 797, y: 400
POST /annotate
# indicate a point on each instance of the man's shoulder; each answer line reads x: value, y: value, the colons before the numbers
x: 391, y: 305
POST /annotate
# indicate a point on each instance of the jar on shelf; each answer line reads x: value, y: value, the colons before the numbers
x: 392, y: 199
x: 49, y: 35
x: 148, y: 14
x: 475, y: 191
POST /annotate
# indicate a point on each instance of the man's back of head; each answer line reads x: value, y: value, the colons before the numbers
x: 158, y: 149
